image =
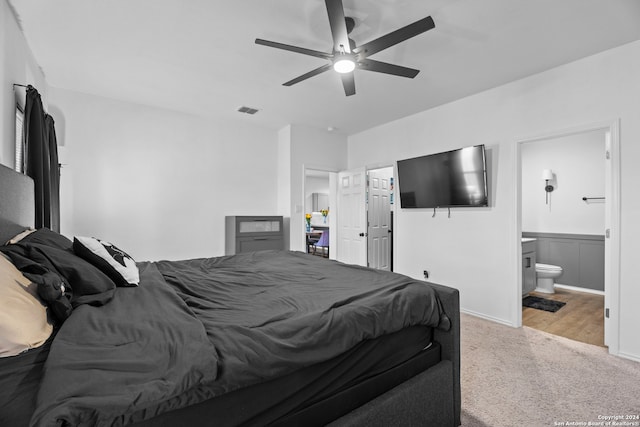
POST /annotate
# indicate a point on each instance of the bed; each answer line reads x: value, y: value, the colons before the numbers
x: 276, y: 338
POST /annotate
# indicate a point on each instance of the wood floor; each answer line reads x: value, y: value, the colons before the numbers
x: 581, y: 319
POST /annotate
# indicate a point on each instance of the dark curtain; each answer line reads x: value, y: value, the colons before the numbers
x: 54, y: 175
x: 41, y: 161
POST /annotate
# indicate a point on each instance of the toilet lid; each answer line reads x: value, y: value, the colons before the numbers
x: 548, y: 267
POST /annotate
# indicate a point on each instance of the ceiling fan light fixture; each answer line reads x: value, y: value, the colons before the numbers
x: 346, y: 56
x: 344, y: 64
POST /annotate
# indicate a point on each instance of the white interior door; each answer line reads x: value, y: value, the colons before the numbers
x: 379, y: 217
x: 352, y: 217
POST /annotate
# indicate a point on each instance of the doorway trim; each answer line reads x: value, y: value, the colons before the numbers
x: 612, y: 207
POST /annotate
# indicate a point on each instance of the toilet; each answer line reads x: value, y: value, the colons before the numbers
x: 545, y: 277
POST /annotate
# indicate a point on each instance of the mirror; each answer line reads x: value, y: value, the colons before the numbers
x: 319, y: 201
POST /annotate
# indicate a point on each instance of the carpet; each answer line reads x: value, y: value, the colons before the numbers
x: 542, y: 303
x: 527, y: 378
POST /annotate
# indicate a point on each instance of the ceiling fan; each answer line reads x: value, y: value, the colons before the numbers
x: 346, y: 56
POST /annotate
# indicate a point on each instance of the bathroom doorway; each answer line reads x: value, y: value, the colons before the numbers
x: 568, y: 201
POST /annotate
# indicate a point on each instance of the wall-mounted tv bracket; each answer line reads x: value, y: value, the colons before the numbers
x: 448, y: 214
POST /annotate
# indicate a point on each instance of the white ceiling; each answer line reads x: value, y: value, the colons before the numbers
x: 199, y: 56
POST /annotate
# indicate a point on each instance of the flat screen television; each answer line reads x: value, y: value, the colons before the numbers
x: 456, y: 178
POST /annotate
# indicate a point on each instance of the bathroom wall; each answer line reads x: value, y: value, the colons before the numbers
x: 569, y: 230
x: 578, y: 163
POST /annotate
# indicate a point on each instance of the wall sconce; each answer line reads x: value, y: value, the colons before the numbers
x: 547, y: 175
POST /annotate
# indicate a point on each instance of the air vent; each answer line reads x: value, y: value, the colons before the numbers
x: 247, y: 110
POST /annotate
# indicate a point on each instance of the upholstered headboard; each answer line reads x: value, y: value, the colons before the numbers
x: 17, y: 204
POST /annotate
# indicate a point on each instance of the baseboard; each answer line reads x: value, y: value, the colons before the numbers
x: 484, y: 316
x: 633, y: 357
x: 579, y: 289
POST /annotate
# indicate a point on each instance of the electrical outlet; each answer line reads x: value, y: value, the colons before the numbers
x: 425, y: 273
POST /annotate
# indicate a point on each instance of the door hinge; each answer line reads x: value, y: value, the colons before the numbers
x: 607, y: 233
x: 606, y: 313
x: 607, y: 155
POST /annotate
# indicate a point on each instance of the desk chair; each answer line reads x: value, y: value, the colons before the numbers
x: 312, y: 239
x: 323, y: 244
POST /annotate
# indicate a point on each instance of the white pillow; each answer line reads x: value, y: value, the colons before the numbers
x: 110, y: 259
x: 20, y: 236
x: 24, y: 323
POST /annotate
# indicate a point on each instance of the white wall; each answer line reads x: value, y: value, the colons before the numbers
x: 314, y: 149
x: 156, y: 182
x: 17, y: 66
x: 476, y: 249
x: 284, y: 181
x: 578, y: 164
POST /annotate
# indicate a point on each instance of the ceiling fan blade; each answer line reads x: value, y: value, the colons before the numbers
x: 395, y: 37
x: 308, y: 75
x: 296, y: 49
x: 335, y: 10
x: 349, y: 83
x: 384, y: 67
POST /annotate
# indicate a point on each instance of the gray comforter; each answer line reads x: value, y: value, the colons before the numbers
x: 199, y: 328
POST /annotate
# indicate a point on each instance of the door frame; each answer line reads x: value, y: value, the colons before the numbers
x: 612, y: 207
x: 333, y: 205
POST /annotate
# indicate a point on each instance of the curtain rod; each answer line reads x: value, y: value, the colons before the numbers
x: 27, y: 87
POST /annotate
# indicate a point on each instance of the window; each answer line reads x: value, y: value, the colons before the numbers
x: 19, y: 165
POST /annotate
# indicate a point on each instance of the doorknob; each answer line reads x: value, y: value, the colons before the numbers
x: 362, y: 234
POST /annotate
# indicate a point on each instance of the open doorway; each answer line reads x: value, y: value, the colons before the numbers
x: 568, y: 205
x: 318, y: 195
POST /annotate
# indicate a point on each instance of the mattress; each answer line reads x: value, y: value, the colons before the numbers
x: 19, y: 382
x: 318, y: 394
x: 310, y: 396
